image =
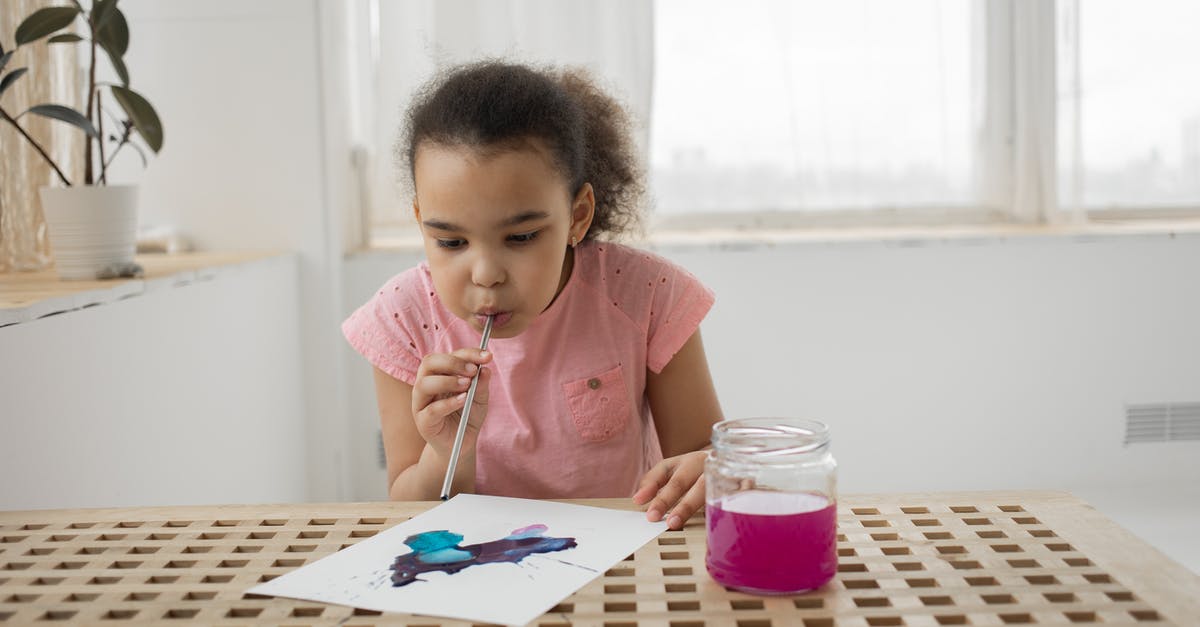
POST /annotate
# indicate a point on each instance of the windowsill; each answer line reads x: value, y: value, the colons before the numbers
x: 26, y: 296
x: 750, y: 238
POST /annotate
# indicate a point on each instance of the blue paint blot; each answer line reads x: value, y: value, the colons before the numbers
x: 439, y: 551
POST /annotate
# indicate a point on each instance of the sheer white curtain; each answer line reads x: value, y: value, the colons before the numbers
x: 401, y: 44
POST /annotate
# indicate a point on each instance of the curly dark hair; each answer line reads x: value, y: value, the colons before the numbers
x: 496, y: 106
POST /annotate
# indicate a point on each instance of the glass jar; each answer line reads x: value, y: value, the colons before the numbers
x: 771, y: 494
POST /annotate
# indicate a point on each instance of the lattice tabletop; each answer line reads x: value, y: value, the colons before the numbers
x: 920, y: 559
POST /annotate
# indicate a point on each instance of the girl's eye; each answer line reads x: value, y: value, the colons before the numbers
x: 523, y: 238
x: 450, y: 243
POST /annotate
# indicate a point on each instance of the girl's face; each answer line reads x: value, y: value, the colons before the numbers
x: 497, y: 228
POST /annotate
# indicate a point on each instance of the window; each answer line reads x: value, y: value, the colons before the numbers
x: 860, y: 112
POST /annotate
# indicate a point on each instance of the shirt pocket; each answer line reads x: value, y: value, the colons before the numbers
x: 599, y: 404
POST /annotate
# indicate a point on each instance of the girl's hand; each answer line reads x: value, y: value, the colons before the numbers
x: 440, y: 392
x: 676, y: 485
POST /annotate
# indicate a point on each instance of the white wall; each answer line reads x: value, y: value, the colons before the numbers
x: 972, y: 364
x: 183, y: 395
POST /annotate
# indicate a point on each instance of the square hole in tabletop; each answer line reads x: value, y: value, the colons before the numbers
x: 966, y: 565
x: 921, y: 582
x: 307, y: 612
x: 1144, y: 615
x: 885, y: 537
x: 808, y: 603
x: 225, y: 523
x: 372, y: 521
x: 141, y: 596
x: 754, y: 622
x: 683, y: 606
x: 884, y: 620
x: 908, y: 566
x: 991, y: 534
x: 1060, y: 597
x: 998, y: 599
x: 1042, y: 533
x: 876, y: 523
x: 129, y: 524
x: 818, y: 622
x: 181, y: 613
x: 620, y: 606
x: 1098, y: 578
x: 67, y: 537
x: 865, y: 511
x: 40, y: 551
x: 196, y: 549
x: 175, y: 524
x: 70, y: 565
x: 1077, y: 561
x: 952, y: 550
x: 1023, y: 563
x: 671, y: 555
x: 210, y: 535
x: 18, y: 565
x: 846, y: 552
x: 300, y: 548
x: 1081, y: 617
x: 363, y: 533
x: 851, y: 567
x: 308, y: 535
x: 977, y: 521
x: 244, y: 612
x: 1011, y: 508
x: 1007, y: 548
x: 260, y: 535
x: 673, y: 588
x: 872, y: 602
x: 48, y: 581
x: 951, y: 619
x: 1120, y: 596
x: 217, y: 579
x: 232, y: 563
x: 101, y: 580
x: 1059, y: 546
x: 938, y: 535
x: 1026, y: 520
x: 859, y: 584
x: 33, y: 526
x: 120, y: 614
x: 670, y: 541
x: 622, y: 572
x: 686, y: 623
x: 81, y: 597
x: 91, y: 550
x: 620, y: 623
x: 162, y: 536
x: 746, y: 604
x: 673, y: 572
x: 915, y: 510
x: 22, y: 598
x: 976, y: 582
x: 620, y: 588
x: 163, y: 579
x: 200, y: 595
x: 143, y: 550
x: 323, y: 521
x: 936, y: 600
x: 181, y: 563
x: 288, y: 563
x: 964, y: 509
x: 1041, y: 580
x: 272, y: 522
x: 1016, y: 619
x: 896, y: 550
x: 926, y: 522
x: 247, y: 548
x: 59, y: 614
x: 81, y: 525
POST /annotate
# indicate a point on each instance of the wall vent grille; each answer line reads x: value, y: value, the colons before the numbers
x: 1162, y: 422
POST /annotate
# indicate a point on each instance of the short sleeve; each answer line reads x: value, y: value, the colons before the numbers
x: 678, y: 305
x: 385, y: 329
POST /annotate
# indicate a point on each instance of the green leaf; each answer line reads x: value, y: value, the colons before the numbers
x: 65, y: 38
x: 101, y: 11
x: 11, y: 77
x: 65, y: 114
x: 117, y: 63
x: 145, y: 119
x: 43, y: 22
x: 114, y: 33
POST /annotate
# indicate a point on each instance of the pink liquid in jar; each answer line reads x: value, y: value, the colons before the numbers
x: 772, y: 542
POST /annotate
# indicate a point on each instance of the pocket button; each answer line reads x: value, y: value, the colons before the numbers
x: 594, y: 383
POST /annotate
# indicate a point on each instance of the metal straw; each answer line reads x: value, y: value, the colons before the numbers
x: 466, y: 414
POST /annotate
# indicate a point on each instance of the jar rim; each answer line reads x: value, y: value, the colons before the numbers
x: 771, y: 437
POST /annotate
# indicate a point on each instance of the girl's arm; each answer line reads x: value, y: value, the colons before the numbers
x: 684, y: 403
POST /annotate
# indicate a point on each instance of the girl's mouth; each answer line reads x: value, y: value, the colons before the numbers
x: 501, y: 319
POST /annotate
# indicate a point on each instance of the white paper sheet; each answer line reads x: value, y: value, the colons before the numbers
x: 506, y: 593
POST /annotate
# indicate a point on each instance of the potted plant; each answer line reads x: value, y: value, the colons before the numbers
x: 92, y: 225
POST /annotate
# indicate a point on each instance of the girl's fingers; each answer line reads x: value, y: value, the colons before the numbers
x: 653, y: 480
x: 431, y: 420
x: 692, y: 501
x: 676, y: 486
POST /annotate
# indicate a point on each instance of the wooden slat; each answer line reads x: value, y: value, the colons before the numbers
x: 976, y: 558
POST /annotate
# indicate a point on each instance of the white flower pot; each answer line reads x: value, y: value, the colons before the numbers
x: 91, y: 227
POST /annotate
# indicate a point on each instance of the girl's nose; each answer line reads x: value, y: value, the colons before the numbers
x: 487, y: 271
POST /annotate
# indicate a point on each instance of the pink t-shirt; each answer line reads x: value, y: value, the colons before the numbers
x: 568, y: 415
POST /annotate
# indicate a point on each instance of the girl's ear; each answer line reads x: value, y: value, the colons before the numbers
x: 583, y: 209
x: 416, y: 212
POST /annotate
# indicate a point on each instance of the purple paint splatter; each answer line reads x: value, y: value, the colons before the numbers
x: 439, y: 551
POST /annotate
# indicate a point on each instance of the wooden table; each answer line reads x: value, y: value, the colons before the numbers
x: 981, y: 558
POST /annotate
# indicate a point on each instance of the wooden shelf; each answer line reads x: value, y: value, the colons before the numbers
x: 973, y: 558
x: 26, y: 296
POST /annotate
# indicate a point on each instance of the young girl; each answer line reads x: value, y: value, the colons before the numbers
x: 594, y: 383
